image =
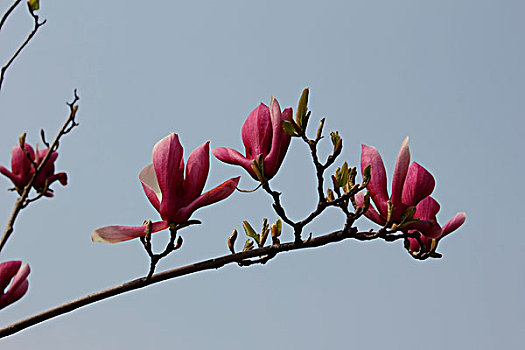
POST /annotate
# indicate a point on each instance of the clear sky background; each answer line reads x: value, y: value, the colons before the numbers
x: 449, y: 74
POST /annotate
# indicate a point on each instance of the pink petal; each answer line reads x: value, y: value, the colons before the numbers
x: 167, y: 158
x: 20, y: 164
x: 19, y: 285
x: 7, y: 270
x: 428, y: 228
x: 454, y: 223
x: 14, y: 179
x: 419, y: 184
x: 114, y: 234
x: 231, y: 156
x: 427, y: 209
x: 377, y: 185
x: 212, y: 196
x: 371, y: 212
x: 400, y: 173
x: 148, y: 178
x: 280, y: 140
x: 257, y: 132
x: 197, y: 169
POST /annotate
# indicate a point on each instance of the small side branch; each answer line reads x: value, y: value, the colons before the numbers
x: 8, y: 12
x: 36, y: 26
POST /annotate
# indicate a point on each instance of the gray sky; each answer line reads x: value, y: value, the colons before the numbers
x: 449, y: 74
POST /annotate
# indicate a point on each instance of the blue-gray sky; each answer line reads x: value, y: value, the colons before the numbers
x: 449, y: 74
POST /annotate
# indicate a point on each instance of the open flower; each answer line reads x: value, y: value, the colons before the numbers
x: 410, y: 185
x: 174, y: 195
x: 22, y: 169
x: 262, y: 135
x: 427, y: 210
x: 11, y: 270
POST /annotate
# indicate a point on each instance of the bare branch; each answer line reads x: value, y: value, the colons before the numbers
x: 36, y: 26
x: 6, y: 15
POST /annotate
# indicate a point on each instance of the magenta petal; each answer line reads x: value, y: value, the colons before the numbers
x: 454, y: 223
x: 280, y: 140
x: 419, y: 184
x: 428, y: 228
x: 257, y: 132
x: 167, y: 158
x: 371, y: 213
x: 377, y: 185
x: 148, y: 178
x: 7, y: 270
x: 427, y: 209
x: 14, y: 179
x: 20, y: 164
x: 212, y: 196
x: 400, y: 173
x: 197, y: 169
x: 114, y: 234
x: 231, y: 156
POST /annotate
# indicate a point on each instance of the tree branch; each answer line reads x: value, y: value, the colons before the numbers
x: 23, y: 200
x: 6, y: 15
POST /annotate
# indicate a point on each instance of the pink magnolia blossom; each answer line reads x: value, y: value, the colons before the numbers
x: 174, y: 195
x: 22, y: 169
x: 427, y: 209
x: 410, y: 185
x: 11, y: 270
x: 262, y: 134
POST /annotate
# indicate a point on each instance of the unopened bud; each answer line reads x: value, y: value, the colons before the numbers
x: 302, y: 108
x: 231, y: 241
x: 320, y: 129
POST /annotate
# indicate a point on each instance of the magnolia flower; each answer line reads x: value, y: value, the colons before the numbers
x: 262, y: 135
x: 410, y: 185
x: 427, y: 209
x: 11, y: 270
x: 174, y: 195
x: 22, y: 169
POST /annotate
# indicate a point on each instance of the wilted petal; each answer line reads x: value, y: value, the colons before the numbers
x: 197, y: 169
x: 256, y: 132
x: 419, y: 184
x: 454, y: 223
x: 212, y: 196
x: 371, y: 212
x: 114, y: 234
x: 377, y: 185
x: 167, y: 158
x: 400, y: 173
x: 231, y: 156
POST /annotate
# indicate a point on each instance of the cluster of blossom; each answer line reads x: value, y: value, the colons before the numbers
x: 175, y: 189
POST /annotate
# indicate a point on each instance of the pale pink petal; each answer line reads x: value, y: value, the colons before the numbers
x: 197, y: 169
x: 212, y: 196
x: 454, y: 223
x: 377, y: 185
x: 231, y: 156
x: 167, y: 158
x: 280, y: 140
x: 256, y: 132
x: 114, y: 234
x: 371, y: 212
x: 400, y: 173
x: 419, y: 184
x: 149, y: 182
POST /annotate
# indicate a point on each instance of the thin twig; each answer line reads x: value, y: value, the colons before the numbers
x: 4, y: 17
x: 37, y: 25
x: 23, y: 200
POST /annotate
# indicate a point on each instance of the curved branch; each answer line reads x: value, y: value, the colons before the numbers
x: 210, y: 264
x: 4, y: 17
